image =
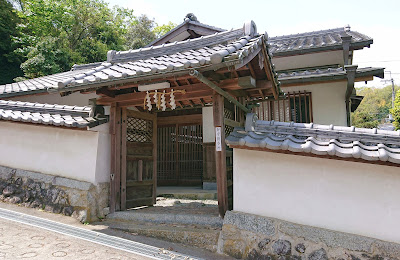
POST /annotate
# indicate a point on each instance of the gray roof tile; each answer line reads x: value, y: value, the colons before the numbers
x: 57, y: 115
x: 340, y: 141
x: 38, y: 85
x: 316, y: 41
x: 333, y: 72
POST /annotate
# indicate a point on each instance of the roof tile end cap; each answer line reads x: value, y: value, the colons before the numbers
x: 250, y: 28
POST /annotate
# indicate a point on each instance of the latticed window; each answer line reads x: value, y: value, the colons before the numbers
x: 296, y: 106
x: 229, y: 114
x: 139, y: 130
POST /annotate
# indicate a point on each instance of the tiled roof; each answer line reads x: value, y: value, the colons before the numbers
x: 345, y: 142
x: 316, y: 41
x: 37, y: 85
x: 227, y: 48
x: 57, y: 115
x: 322, y: 74
x: 213, y: 51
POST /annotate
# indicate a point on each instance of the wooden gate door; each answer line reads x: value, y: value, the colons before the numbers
x: 138, y: 159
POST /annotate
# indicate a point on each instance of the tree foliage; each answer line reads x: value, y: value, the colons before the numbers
x: 52, y: 35
x: 396, y: 111
x: 9, y: 62
x: 374, y: 108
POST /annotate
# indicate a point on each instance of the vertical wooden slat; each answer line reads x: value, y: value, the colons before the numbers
x: 140, y: 170
x: 220, y: 156
x: 279, y: 111
x: 123, y: 159
x: 311, y: 110
x: 300, y: 111
x: 118, y: 158
x: 306, y: 112
x: 113, y: 195
x: 263, y: 110
x: 154, y: 158
x: 290, y: 108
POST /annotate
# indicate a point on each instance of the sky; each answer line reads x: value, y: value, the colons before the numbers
x: 377, y: 19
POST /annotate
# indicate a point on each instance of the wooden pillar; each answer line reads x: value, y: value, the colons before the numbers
x: 220, y: 153
x: 113, y: 195
x: 115, y: 171
x: 123, y: 158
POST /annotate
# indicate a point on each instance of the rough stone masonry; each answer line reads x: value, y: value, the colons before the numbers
x: 248, y: 236
x: 80, y: 199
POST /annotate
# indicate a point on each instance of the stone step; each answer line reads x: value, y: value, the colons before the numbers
x: 200, y: 220
x: 201, y: 236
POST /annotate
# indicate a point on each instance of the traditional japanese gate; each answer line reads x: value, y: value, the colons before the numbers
x: 138, y: 159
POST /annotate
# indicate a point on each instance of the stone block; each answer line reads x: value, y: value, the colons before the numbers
x: 282, y: 247
x: 6, y: 172
x: 250, y: 222
x: 209, y: 185
x: 72, y: 184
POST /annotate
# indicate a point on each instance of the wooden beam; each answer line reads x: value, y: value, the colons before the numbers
x: 232, y: 123
x: 268, y: 68
x: 220, y: 91
x: 106, y: 92
x: 173, y: 120
x: 252, y: 72
x: 220, y: 156
x: 141, y: 95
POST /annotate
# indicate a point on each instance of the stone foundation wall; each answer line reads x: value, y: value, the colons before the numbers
x: 80, y: 199
x: 247, y: 236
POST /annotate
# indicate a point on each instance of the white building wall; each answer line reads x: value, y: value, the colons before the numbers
x: 345, y: 196
x: 308, y: 60
x: 70, y: 153
x: 328, y: 101
x: 208, y: 125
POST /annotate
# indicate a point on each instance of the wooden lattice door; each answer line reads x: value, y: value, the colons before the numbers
x: 139, y: 159
x: 180, y: 155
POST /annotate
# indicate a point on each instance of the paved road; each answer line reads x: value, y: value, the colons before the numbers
x: 20, y: 241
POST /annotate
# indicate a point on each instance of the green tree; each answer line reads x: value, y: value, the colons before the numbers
x: 144, y: 30
x: 160, y: 30
x: 49, y: 36
x: 396, y: 111
x: 57, y: 34
x: 9, y: 62
x: 374, y: 108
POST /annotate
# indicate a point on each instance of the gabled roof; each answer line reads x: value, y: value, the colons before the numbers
x: 324, y: 74
x: 46, y: 114
x: 189, y: 29
x: 225, y: 49
x: 321, y: 140
x: 317, y: 41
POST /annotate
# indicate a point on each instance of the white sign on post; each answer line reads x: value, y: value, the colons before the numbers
x: 218, y: 139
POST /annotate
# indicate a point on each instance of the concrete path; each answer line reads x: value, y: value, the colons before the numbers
x: 18, y: 241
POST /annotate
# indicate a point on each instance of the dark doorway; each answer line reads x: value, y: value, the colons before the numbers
x: 180, y: 150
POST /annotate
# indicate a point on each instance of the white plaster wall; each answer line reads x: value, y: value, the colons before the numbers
x: 208, y: 125
x: 75, y: 154
x: 103, y: 160
x: 308, y: 60
x: 75, y: 99
x: 328, y: 101
x: 351, y: 197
